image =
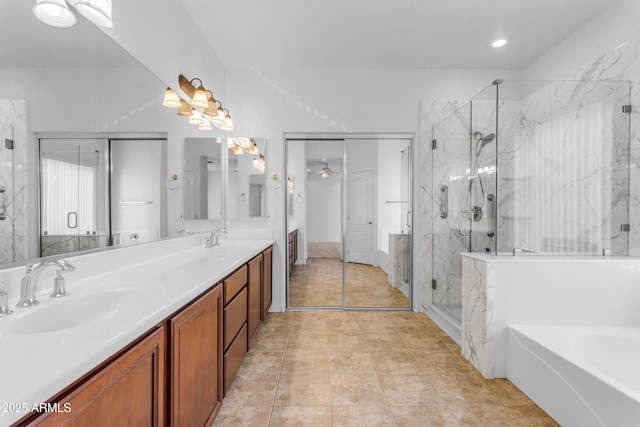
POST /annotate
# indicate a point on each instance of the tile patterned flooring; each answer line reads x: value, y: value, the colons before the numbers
x: 319, y: 284
x: 366, y: 368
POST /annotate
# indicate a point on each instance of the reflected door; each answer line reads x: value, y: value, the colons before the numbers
x: 360, y: 217
x: 73, y: 195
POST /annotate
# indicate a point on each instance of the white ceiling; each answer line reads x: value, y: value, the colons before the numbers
x: 322, y: 34
x: 386, y: 34
x: 27, y: 42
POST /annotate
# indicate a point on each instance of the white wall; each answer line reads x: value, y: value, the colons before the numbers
x: 389, y: 189
x: 617, y: 25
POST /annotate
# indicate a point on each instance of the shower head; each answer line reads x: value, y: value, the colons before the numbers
x: 482, y: 141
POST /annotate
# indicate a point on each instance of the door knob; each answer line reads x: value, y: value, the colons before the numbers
x: 369, y: 222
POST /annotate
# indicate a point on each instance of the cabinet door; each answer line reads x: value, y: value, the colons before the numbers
x: 129, y: 391
x: 196, y: 361
x: 266, y: 281
x: 255, y: 307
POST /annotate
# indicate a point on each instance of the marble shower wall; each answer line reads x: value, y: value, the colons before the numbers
x: 521, y: 123
x: 14, y: 125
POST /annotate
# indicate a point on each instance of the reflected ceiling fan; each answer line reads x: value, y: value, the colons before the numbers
x: 326, y: 172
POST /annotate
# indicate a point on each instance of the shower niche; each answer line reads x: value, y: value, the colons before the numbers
x: 528, y: 168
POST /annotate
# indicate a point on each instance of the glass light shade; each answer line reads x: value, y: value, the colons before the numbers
x: 55, y: 13
x: 228, y: 123
x: 325, y: 174
x: 242, y: 197
x: 171, y: 99
x: 173, y: 182
x: 96, y: 11
x: 253, y: 149
x: 200, y: 98
x: 196, y: 117
x: 205, y: 125
x: 185, y: 109
x: 274, y: 182
x: 243, y: 142
x: 212, y: 108
x: 237, y: 150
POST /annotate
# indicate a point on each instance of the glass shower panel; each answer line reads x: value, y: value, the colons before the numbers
x: 452, y: 221
x: 564, y: 167
x: 482, y: 202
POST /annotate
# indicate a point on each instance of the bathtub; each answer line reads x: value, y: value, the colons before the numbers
x: 581, y: 376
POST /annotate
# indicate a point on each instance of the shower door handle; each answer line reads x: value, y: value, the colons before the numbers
x: 492, y: 217
x: 409, y: 219
x: 444, y: 201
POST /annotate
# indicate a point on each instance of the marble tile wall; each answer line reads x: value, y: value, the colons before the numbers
x: 398, y: 259
x: 14, y: 125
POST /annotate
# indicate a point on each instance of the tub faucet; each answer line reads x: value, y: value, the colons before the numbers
x: 30, y: 281
x: 214, y: 237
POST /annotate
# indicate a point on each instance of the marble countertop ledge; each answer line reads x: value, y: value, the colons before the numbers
x: 36, y: 366
x: 547, y: 258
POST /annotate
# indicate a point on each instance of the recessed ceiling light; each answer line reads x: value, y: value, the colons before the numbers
x: 499, y: 42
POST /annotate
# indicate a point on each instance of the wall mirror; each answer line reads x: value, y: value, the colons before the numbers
x: 247, y: 190
x: 349, y: 221
x: 44, y: 79
x: 203, y: 178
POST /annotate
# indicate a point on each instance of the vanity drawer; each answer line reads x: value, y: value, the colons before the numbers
x: 235, y: 315
x: 234, y: 283
x: 233, y: 357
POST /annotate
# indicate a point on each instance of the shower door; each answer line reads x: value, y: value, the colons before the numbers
x: 452, y: 219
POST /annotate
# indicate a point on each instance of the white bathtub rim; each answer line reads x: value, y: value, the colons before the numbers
x: 565, y: 351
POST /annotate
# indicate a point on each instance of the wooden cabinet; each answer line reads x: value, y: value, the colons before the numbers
x: 178, y: 373
x: 293, y: 248
x: 266, y: 296
x: 254, y: 285
x: 195, y: 382
x: 235, y: 324
x: 128, y: 390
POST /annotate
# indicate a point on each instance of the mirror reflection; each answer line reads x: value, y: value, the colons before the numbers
x: 349, y: 222
x: 203, y: 178
x: 247, y: 197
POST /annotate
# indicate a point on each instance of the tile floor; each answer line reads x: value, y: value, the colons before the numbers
x: 366, y: 368
x: 319, y: 284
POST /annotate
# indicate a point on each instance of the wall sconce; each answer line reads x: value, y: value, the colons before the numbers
x: 242, y: 197
x: 274, y: 182
x: 57, y: 13
x: 299, y: 198
x: 173, y: 182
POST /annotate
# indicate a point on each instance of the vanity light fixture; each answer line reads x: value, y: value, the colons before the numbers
x: 228, y: 123
x: 171, y: 99
x: 173, y: 182
x: 196, y: 117
x: 55, y: 13
x: 205, y: 125
x: 253, y: 149
x: 185, y: 109
x: 96, y: 11
x: 243, y: 142
x: 259, y: 163
x: 212, y: 106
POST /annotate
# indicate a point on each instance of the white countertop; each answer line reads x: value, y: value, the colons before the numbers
x: 528, y: 257
x: 36, y: 366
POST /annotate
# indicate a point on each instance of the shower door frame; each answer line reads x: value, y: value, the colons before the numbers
x: 410, y: 137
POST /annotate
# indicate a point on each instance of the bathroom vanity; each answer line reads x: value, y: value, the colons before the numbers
x: 179, y: 320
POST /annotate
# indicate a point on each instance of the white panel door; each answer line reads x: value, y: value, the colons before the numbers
x: 360, y: 216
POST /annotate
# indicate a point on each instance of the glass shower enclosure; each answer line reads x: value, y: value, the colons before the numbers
x: 529, y: 167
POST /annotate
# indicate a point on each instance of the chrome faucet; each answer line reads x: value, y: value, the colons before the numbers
x: 214, y: 238
x: 30, y: 281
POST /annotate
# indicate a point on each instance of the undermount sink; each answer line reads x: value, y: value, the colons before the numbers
x: 80, y: 310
